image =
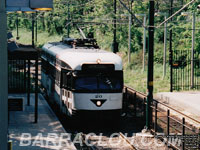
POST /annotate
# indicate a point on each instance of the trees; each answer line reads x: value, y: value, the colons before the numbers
x: 98, y: 17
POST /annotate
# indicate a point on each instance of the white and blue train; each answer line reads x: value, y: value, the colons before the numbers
x: 81, y: 79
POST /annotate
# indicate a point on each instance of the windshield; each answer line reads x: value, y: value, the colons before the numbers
x: 99, y: 82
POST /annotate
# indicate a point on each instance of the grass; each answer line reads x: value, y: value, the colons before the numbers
x: 43, y: 37
x: 134, y: 76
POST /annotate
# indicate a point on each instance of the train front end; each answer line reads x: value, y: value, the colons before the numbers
x: 97, y: 90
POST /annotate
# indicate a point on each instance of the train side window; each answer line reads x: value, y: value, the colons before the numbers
x: 66, y: 78
x: 57, y: 77
x: 68, y: 94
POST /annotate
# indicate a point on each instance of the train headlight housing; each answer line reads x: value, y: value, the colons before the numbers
x: 99, y: 103
x: 98, y: 61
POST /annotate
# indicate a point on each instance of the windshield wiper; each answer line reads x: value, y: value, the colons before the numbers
x: 109, y: 83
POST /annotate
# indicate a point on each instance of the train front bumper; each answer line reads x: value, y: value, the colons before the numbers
x: 97, y: 102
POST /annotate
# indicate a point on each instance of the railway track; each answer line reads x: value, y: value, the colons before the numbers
x: 129, y: 142
x: 167, y: 119
x: 129, y: 125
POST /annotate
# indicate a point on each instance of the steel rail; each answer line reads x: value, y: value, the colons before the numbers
x: 171, y: 117
x: 143, y: 96
x: 180, y: 123
x: 125, y: 138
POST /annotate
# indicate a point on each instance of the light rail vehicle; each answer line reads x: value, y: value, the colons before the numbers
x: 82, y: 79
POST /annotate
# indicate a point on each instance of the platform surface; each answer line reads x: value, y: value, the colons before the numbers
x: 186, y: 102
x: 47, y: 134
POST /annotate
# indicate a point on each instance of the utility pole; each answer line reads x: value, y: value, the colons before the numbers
x: 144, y: 39
x: 4, y: 78
x: 165, y: 48
x: 144, y: 42
x: 130, y: 24
x: 115, y: 44
x: 33, y: 24
x: 150, y: 64
x: 36, y: 27
x: 68, y: 21
x: 193, y: 49
x: 129, y: 41
x: 170, y: 51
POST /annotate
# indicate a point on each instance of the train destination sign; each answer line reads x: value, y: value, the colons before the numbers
x: 88, y: 67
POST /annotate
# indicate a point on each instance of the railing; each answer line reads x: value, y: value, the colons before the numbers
x: 166, y: 119
x: 175, y: 123
x: 186, y: 74
x: 17, y: 76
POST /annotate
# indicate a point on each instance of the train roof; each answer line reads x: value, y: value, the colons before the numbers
x: 76, y: 57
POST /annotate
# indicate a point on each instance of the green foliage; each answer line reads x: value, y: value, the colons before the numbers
x: 136, y: 78
x: 56, y: 22
x: 98, y: 16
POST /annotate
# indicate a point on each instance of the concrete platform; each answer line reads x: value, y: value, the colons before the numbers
x: 47, y: 134
x: 186, y: 102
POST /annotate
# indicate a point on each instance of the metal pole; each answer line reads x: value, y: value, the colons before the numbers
x: 193, y: 49
x: 144, y: 42
x: 17, y: 27
x: 150, y: 64
x: 115, y: 44
x: 36, y: 27
x: 25, y: 75
x: 29, y: 83
x: 115, y: 25
x: 36, y: 90
x: 168, y: 122
x: 165, y: 49
x: 43, y: 21
x: 171, y: 52
x: 156, y: 116
x: 33, y: 22
x: 4, y: 78
x: 183, y: 133
x: 68, y: 17
x: 129, y: 41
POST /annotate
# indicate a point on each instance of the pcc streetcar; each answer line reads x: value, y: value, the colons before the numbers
x: 80, y: 78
